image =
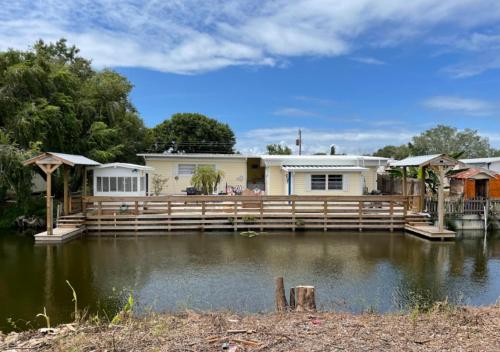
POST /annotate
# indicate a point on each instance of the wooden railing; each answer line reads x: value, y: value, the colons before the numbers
x: 249, y: 212
x: 467, y: 206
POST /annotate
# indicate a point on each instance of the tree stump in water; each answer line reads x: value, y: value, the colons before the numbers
x: 292, y: 298
x: 280, y: 297
x: 306, y: 299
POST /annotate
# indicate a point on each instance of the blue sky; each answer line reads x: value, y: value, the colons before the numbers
x: 359, y: 74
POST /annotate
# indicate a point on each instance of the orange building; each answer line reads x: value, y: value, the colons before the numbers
x: 475, y: 183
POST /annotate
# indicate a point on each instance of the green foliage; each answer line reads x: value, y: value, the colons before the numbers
x: 75, y: 301
x: 45, y: 316
x: 193, y: 133
x: 13, y: 174
x: 159, y: 182
x: 126, y: 312
x: 278, y: 149
x: 206, y: 179
x: 51, y: 95
x: 442, y: 140
x: 394, y: 152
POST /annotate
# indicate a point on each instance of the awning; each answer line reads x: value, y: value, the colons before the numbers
x: 61, y: 158
x: 325, y: 168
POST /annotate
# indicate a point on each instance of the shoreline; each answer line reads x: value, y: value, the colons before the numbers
x: 444, y: 327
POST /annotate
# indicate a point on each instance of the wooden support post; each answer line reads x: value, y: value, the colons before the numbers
x: 203, y: 215
x: 325, y: 215
x: 391, y: 207
x: 405, y: 189
x: 49, y: 201
x: 169, y: 212
x: 279, y: 295
x: 261, y: 209
x: 441, y: 199
x: 421, y: 204
x: 292, y: 298
x: 294, y: 220
x: 84, y: 186
x: 235, y: 223
x: 99, y: 215
x: 360, y: 215
x: 136, y: 208
x: 306, y: 299
x: 66, y: 189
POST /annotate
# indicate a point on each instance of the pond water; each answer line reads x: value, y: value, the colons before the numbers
x: 351, y: 271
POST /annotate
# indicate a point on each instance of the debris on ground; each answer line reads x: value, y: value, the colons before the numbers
x: 444, y: 328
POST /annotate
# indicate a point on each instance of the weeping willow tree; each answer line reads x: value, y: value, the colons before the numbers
x: 206, y: 179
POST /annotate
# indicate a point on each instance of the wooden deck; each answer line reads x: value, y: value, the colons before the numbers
x: 59, y: 235
x: 430, y: 232
x: 160, y: 215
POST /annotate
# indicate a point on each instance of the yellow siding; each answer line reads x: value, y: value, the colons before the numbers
x: 235, y: 173
x: 371, y: 178
x: 301, y: 186
x: 275, y: 181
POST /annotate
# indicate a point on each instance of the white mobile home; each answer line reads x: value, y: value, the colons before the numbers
x: 121, y: 179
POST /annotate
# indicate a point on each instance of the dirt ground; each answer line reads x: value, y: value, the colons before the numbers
x: 444, y: 328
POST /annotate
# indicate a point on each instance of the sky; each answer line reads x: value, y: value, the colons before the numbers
x: 358, y: 74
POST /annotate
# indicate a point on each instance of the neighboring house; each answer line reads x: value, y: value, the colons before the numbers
x: 274, y: 174
x: 121, y: 179
x: 492, y: 164
x: 475, y: 183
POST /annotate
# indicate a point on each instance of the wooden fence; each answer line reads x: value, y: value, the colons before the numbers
x: 244, y: 212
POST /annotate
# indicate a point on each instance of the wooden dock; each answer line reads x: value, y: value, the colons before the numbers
x: 59, y: 235
x: 430, y: 232
x: 166, y: 214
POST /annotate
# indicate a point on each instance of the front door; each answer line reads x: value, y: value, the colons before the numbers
x: 481, y: 188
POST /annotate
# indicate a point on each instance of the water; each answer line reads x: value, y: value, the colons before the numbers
x: 351, y: 271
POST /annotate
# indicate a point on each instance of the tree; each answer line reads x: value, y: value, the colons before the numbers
x: 278, y: 149
x: 51, y: 95
x: 206, y: 179
x: 394, y: 152
x: 448, y: 140
x: 159, y: 182
x: 193, y: 133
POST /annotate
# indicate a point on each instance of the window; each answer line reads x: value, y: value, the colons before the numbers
x: 186, y: 169
x: 121, y: 184
x: 112, y: 184
x: 134, y: 184
x: 335, y: 182
x: 99, y: 184
x: 143, y: 183
x: 319, y: 182
x: 128, y: 184
x: 105, y: 184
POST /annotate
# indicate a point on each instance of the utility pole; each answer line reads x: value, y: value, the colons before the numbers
x: 298, y: 142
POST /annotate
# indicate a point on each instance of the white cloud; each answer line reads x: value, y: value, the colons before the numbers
x: 459, y: 104
x: 294, y: 112
x: 314, y: 140
x: 368, y: 60
x: 190, y: 36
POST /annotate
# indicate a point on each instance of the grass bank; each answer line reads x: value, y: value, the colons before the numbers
x: 442, y: 328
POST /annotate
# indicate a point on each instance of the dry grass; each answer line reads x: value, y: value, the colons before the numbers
x: 444, y: 328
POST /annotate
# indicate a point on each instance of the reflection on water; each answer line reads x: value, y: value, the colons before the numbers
x: 351, y: 271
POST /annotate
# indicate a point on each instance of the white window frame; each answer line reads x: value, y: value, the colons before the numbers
x: 327, y: 182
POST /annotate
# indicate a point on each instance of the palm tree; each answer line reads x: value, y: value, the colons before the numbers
x: 206, y: 179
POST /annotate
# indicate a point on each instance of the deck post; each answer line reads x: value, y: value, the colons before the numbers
x: 441, y: 199
x: 235, y: 223
x: 203, y: 215
x: 261, y: 205
x: 66, y: 189
x: 421, y: 204
x: 325, y: 212
x: 49, y: 201
x: 360, y: 215
x: 84, y: 186
x: 391, y: 207
x: 294, y: 223
x: 405, y: 190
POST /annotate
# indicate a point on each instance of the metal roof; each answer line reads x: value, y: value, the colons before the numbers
x: 481, y: 160
x: 195, y: 156
x: 424, y: 160
x: 472, y: 172
x: 125, y: 166
x: 346, y: 168
x: 68, y: 159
